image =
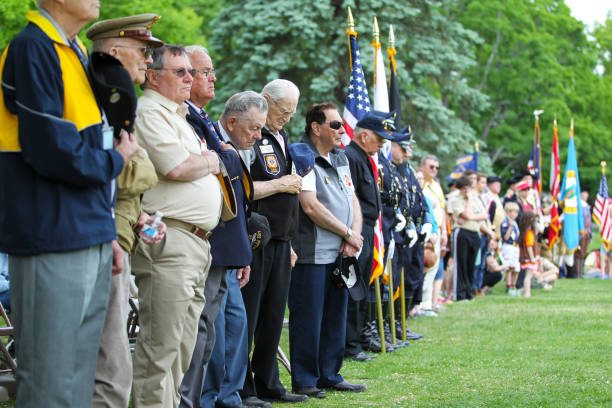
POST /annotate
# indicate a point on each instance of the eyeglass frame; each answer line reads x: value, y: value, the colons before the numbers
x: 205, y: 72
x: 148, y: 49
x: 179, y: 72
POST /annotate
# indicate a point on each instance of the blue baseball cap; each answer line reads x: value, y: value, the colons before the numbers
x: 381, y: 123
x: 303, y: 158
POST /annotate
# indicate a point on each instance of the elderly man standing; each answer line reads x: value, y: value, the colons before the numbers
x: 370, y: 135
x: 265, y: 296
x: 57, y: 222
x: 330, y: 223
x: 171, y: 274
x: 230, y: 263
x: 130, y: 41
x: 240, y: 124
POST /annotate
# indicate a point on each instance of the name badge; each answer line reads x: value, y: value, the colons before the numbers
x: 107, y: 138
x: 266, y: 149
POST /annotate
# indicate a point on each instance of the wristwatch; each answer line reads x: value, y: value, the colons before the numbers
x: 349, y: 233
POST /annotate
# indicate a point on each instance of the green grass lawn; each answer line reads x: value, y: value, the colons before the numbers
x: 553, y: 350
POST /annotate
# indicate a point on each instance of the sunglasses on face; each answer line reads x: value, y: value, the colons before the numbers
x: 181, y: 72
x: 434, y: 167
x: 336, y: 124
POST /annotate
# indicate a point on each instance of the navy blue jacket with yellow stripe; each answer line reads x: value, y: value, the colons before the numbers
x: 55, y: 176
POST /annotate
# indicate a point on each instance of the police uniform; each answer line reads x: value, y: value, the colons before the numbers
x: 414, y: 208
x: 265, y: 296
x: 366, y: 189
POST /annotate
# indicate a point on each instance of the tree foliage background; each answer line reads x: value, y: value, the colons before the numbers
x: 469, y: 70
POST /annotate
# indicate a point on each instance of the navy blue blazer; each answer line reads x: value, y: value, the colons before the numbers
x: 229, y: 244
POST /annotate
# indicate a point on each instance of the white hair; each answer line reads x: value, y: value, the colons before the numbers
x: 192, y: 49
x: 278, y: 89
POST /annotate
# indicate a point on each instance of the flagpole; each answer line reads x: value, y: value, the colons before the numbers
x: 381, y: 324
x: 392, y: 70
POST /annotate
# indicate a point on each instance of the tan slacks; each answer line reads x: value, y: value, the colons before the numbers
x: 170, y: 277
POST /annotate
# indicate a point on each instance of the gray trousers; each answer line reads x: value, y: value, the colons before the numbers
x: 59, y: 304
x: 193, y: 381
x: 113, y: 380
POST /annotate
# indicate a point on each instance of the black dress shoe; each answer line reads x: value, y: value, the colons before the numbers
x: 361, y: 356
x: 345, y: 386
x: 253, y: 401
x: 312, y: 392
x: 288, y: 397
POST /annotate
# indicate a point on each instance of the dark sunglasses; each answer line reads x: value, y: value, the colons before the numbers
x: 434, y: 167
x: 181, y: 72
x: 336, y: 124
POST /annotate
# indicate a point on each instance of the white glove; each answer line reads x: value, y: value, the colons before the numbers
x: 413, y: 236
x: 402, y: 222
x: 426, y: 229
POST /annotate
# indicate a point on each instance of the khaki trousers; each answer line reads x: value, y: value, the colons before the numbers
x: 170, y: 277
x: 114, y: 369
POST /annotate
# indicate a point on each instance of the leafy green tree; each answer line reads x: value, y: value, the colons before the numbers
x: 535, y: 55
x: 258, y: 41
x: 12, y: 18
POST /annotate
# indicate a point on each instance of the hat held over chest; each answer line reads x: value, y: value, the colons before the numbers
x: 302, y: 157
x: 114, y: 89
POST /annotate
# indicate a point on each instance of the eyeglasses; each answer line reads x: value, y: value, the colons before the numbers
x: 335, y: 124
x: 205, y: 72
x: 432, y: 167
x: 284, y: 113
x: 146, y: 50
x: 181, y: 72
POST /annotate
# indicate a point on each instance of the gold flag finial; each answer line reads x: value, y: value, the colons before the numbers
x: 391, y: 37
x: 351, y: 21
x: 555, y: 120
x: 572, y: 127
x: 376, y: 31
x: 603, y: 167
x: 476, y: 146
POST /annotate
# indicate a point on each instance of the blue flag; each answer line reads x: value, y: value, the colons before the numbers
x: 573, y: 222
x: 463, y: 164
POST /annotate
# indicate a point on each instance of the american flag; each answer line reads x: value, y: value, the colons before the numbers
x: 357, y: 98
x: 602, y: 214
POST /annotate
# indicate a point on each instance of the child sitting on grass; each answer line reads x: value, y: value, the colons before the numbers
x: 510, y: 252
x: 529, y: 249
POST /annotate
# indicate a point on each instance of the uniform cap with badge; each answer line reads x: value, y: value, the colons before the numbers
x: 137, y: 26
x: 112, y: 84
x: 404, y: 137
x: 381, y: 123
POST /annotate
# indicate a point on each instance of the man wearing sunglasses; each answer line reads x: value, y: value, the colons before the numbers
x: 369, y: 136
x: 128, y: 39
x: 171, y: 274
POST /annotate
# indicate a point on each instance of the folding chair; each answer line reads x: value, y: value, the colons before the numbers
x: 8, y: 363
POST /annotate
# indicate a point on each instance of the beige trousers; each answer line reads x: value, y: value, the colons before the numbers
x: 170, y: 277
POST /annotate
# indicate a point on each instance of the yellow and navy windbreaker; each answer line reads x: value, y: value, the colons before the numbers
x: 55, y: 176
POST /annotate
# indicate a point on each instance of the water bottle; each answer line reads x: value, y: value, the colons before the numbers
x: 149, y: 232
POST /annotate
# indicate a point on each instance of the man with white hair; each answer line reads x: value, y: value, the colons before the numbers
x: 57, y: 224
x: 265, y: 296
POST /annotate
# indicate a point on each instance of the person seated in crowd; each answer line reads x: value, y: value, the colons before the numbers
x: 495, y: 267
